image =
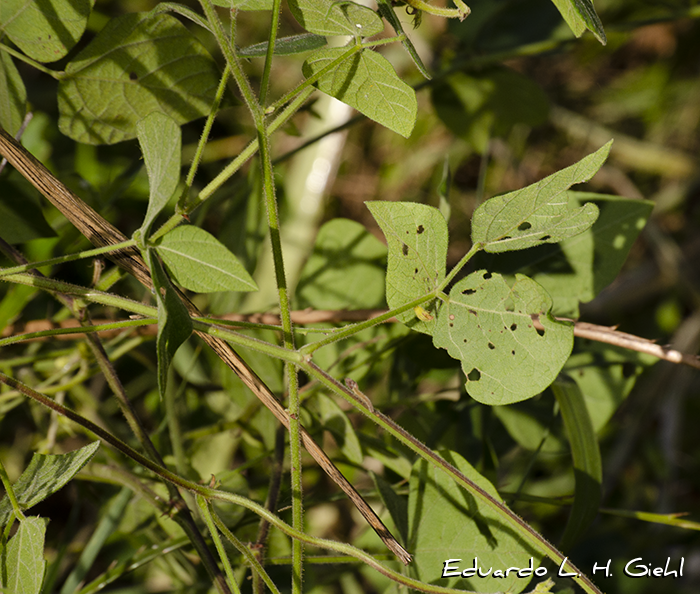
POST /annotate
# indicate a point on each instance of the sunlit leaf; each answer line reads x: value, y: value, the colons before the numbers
x: 446, y: 522
x: 488, y: 325
x: 334, y: 17
x: 201, y: 263
x: 45, y: 30
x: 538, y: 213
x: 136, y: 65
x: 416, y: 235
x: 45, y: 475
x: 367, y: 82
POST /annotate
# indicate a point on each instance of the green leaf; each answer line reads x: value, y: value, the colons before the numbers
x: 161, y: 144
x: 488, y: 326
x: 45, y: 475
x: 585, y: 454
x: 201, y: 263
x: 367, y: 82
x: 45, y: 30
x: 483, y: 105
x: 174, y: 322
x: 386, y: 9
x: 446, y: 522
x: 577, y: 269
x: 538, y: 213
x: 24, y: 558
x: 13, y: 96
x: 605, y: 375
x: 286, y: 46
x: 136, y: 65
x: 331, y: 17
x: 416, y: 235
x: 395, y: 503
x: 346, y: 269
x: 337, y: 422
x: 581, y: 15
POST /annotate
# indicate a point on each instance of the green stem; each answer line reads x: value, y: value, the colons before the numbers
x: 247, y: 554
x: 205, y: 132
x: 461, y: 12
x: 210, y: 493
x: 77, y: 330
x: 528, y: 534
x: 10, y: 492
x: 20, y: 56
x: 274, y: 26
x: 468, y: 256
x: 314, y: 78
x: 209, y: 521
x: 69, y: 258
x: 346, y: 331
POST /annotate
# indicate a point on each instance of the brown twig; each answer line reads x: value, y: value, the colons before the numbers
x: 606, y: 334
x: 101, y: 233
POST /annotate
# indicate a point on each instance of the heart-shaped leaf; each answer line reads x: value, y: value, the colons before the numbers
x: 489, y: 326
x: 201, y: 263
x: 538, y: 213
x: 367, y: 82
x: 136, y: 65
x: 416, y: 235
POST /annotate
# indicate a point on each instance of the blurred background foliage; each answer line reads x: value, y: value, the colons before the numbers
x: 514, y: 98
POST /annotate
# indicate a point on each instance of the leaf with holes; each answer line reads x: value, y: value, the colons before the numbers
x: 490, y: 327
x: 136, y: 65
x: 329, y: 17
x: 416, y: 235
x: 367, y: 82
x: 540, y: 212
